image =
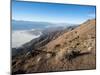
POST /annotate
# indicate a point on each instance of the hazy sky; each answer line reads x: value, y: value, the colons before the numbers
x: 46, y: 12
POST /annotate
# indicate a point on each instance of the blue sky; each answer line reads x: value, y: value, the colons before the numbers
x: 47, y: 12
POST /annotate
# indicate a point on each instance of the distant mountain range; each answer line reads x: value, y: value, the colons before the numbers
x: 30, y: 29
x: 26, y: 25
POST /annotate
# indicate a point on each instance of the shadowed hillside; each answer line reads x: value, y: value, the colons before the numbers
x: 69, y: 49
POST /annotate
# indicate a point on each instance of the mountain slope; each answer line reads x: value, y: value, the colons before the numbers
x: 83, y: 32
x: 72, y: 50
x: 46, y: 37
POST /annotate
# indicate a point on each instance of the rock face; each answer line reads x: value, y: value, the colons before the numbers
x: 72, y: 49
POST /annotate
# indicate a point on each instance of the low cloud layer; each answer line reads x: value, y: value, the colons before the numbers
x: 21, y: 37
